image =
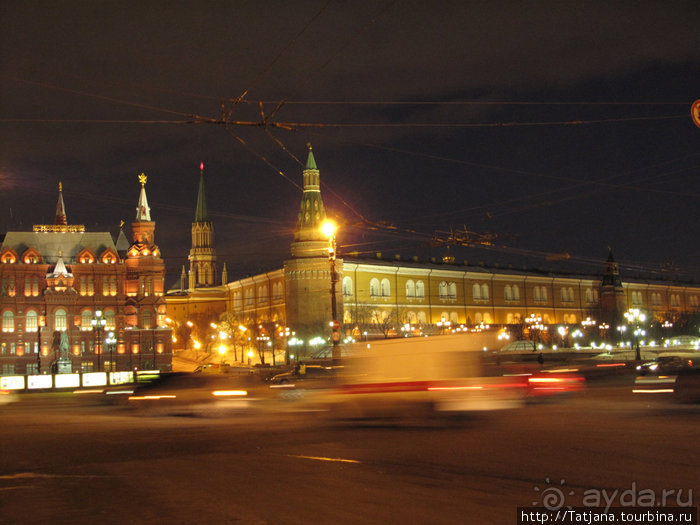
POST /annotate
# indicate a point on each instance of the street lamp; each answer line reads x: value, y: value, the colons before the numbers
x: 329, y: 229
x: 98, y: 323
x: 633, y: 315
x: 111, y: 341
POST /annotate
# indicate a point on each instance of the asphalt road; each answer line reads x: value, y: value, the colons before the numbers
x: 68, y: 460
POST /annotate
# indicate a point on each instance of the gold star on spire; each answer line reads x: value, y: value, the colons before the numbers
x: 142, y: 179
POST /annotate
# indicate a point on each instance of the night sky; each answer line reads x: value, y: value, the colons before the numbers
x: 558, y: 127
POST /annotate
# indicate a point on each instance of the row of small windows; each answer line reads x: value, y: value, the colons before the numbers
x: 61, y: 320
x: 86, y: 286
x: 262, y: 295
x: 31, y: 256
x: 480, y: 291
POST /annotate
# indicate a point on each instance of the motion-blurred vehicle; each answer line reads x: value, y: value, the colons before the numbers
x: 675, y: 375
x: 553, y: 382
x: 183, y: 393
x: 413, y: 378
x: 669, y: 363
x: 304, y: 373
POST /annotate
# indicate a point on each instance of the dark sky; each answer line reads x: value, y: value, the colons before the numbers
x: 559, y: 127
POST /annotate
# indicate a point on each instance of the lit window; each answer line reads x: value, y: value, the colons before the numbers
x: 85, y: 320
x: 410, y: 289
x: 420, y: 291
x: 347, y: 287
x: 8, y: 322
x: 60, y: 320
x: 374, y: 288
x: 32, y: 321
x: 386, y: 288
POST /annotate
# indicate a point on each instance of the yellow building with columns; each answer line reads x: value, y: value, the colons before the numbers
x: 381, y: 296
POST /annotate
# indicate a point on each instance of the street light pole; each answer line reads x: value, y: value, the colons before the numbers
x: 635, y: 316
x: 98, y: 323
x: 329, y: 231
x: 111, y: 341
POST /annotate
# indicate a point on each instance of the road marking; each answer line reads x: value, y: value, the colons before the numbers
x: 320, y: 458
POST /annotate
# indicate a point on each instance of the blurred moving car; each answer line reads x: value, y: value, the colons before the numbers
x: 669, y: 363
x: 303, y: 373
x: 675, y: 375
x: 182, y: 393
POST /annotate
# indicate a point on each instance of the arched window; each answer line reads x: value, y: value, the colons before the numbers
x: 8, y: 322
x: 516, y: 293
x: 60, y: 321
x: 374, y: 288
x: 487, y: 318
x: 452, y: 290
x: 262, y: 294
x: 410, y: 289
x: 110, y: 320
x: 85, y: 318
x: 544, y: 294
x: 386, y: 288
x: 347, y: 287
x: 32, y: 321
x: 476, y: 292
x: 563, y: 295
x: 422, y: 318
x: 589, y: 295
x: 454, y: 318
x: 146, y: 318
x: 420, y: 291
x: 485, y: 291
x: 478, y: 318
x: 536, y: 294
x: 507, y: 293
x: 411, y: 317
x: 442, y: 290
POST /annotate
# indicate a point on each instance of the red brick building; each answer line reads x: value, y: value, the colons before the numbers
x: 81, y: 296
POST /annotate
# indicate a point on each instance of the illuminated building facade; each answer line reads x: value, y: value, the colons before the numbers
x: 383, y: 294
x: 66, y: 290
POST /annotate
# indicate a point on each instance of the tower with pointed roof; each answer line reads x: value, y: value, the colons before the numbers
x: 145, y: 281
x: 202, y: 255
x: 613, y: 301
x: 60, y: 208
x: 58, y: 278
x: 309, y: 240
x: 307, y: 274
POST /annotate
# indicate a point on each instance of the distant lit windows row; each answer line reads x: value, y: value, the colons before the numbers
x: 86, y: 286
x: 31, y: 256
x: 60, y: 320
x: 263, y: 295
